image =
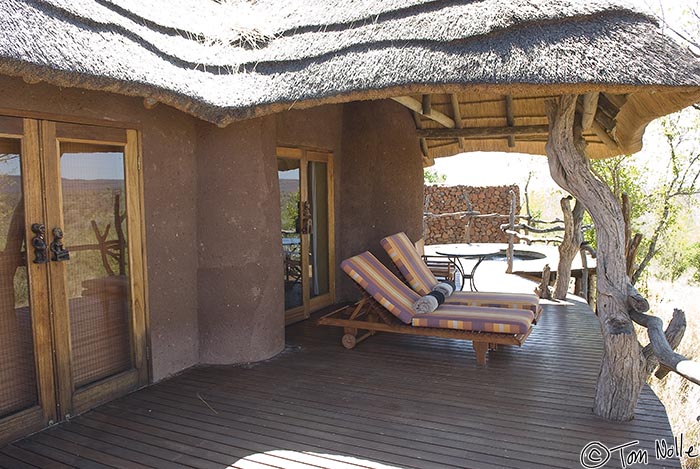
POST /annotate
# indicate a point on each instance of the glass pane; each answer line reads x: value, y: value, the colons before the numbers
x: 18, y: 386
x: 97, y: 277
x: 288, y: 174
x: 318, y: 239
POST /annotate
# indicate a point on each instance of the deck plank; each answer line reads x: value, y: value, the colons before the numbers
x: 394, y: 401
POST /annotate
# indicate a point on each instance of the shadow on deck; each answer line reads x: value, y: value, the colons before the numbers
x: 392, y: 401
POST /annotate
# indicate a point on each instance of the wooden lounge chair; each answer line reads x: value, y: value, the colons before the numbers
x: 387, y: 306
x: 419, y: 277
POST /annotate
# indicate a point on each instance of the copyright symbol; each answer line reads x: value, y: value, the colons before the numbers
x: 594, y: 455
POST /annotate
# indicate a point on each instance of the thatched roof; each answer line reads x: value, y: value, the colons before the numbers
x: 230, y: 60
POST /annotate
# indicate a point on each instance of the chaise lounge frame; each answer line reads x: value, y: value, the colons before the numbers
x: 370, y: 316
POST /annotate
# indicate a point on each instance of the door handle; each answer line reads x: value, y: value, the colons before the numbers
x: 39, y: 243
x: 59, y: 252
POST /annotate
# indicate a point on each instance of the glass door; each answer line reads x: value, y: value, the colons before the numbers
x: 72, y: 310
x: 27, y: 394
x: 93, y: 211
x: 306, y: 194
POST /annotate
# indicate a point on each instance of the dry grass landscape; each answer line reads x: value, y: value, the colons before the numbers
x: 681, y: 398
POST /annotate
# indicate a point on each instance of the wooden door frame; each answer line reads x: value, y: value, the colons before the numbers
x: 72, y: 401
x: 44, y: 412
x: 304, y: 155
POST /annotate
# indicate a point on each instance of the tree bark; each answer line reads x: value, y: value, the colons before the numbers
x: 569, y: 247
x: 674, y: 334
x: 511, y: 236
x: 542, y: 290
x: 622, y: 369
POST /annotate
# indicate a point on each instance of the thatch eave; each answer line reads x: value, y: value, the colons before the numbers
x: 398, y: 48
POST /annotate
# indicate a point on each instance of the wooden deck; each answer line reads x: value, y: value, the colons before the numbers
x: 393, y: 401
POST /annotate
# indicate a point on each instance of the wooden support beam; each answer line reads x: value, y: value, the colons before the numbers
x: 621, y: 377
x: 423, y: 142
x: 609, y: 105
x: 31, y: 80
x: 484, y: 131
x: 427, y: 104
x: 590, y: 106
x: 457, y: 113
x: 510, y: 119
x: 149, y: 103
x: 603, y: 119
x: 603, y: 135
x: 511, y: 238
x: 570, y: 245
x: 417, y: 106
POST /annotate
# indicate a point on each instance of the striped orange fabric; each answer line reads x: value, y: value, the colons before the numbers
x: 382, y: 285
x: 496, y: 300
x: 500, y: 320
x: 422, y: 280
x: 409, y: 262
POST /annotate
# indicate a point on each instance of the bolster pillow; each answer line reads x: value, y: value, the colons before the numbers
x: 446, y: 287
x: 429, y: 302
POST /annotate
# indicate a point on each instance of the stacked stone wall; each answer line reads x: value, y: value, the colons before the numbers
x: 452, y: 229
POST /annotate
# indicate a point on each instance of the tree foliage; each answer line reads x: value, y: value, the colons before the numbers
x: 431, y: 176
x: 660, y: 191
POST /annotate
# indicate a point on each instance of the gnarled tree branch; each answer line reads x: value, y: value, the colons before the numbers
x: 676, y: 362
x: 662, y: 344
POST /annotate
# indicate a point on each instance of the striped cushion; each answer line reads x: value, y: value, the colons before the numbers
x: 422, y: 280
x: 497, y: 300
x: 382, y: 285
x: 501, y: 320
x: 403, y: 253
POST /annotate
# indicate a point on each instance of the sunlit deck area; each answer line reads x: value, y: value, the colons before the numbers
x: 392, y: 401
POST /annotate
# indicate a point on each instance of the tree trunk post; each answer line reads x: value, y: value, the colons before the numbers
x: 511, y: 237
x: 542, y: 290
x: 621, y: 374
x: 569, y: 247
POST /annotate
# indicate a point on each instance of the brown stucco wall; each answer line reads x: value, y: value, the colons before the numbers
x: 169, y: 166
x: 212, y: 211
x: 381, y: 184
x: 241, y: 301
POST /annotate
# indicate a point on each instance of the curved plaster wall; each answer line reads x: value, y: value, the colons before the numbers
x: 239, y: 281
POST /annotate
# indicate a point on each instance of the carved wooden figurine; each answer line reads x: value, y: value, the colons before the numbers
x: 59, y: 252
x: 39, y: 243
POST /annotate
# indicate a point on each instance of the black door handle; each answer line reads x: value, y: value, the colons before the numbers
x: 59, y: 252
x: 39, y: 243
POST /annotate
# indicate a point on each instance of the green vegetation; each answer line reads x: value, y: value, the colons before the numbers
x: 664, y: 203
x: 663, y: 194
x: 431, y: 176
x: 290, y: 210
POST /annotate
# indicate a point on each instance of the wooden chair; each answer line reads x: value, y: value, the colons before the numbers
x: 421, y: 279
x: 387, y: 306
x: 441, y: 267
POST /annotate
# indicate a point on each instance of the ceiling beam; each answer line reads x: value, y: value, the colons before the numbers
x: 458, y: 117
x: 417, y: 106
x: 604, y: 136
x: 423, y: 142
x: 510, y: 119
x: 483, y: 132
x: 590, y: 106
x: 427, y: 104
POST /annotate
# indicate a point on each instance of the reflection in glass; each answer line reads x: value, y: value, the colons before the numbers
x: 97, y: 277
x: 18, y: 386
x: 288, y: 175
x: 318, y: 239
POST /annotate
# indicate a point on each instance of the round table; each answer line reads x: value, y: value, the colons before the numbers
x: 457, y: 252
